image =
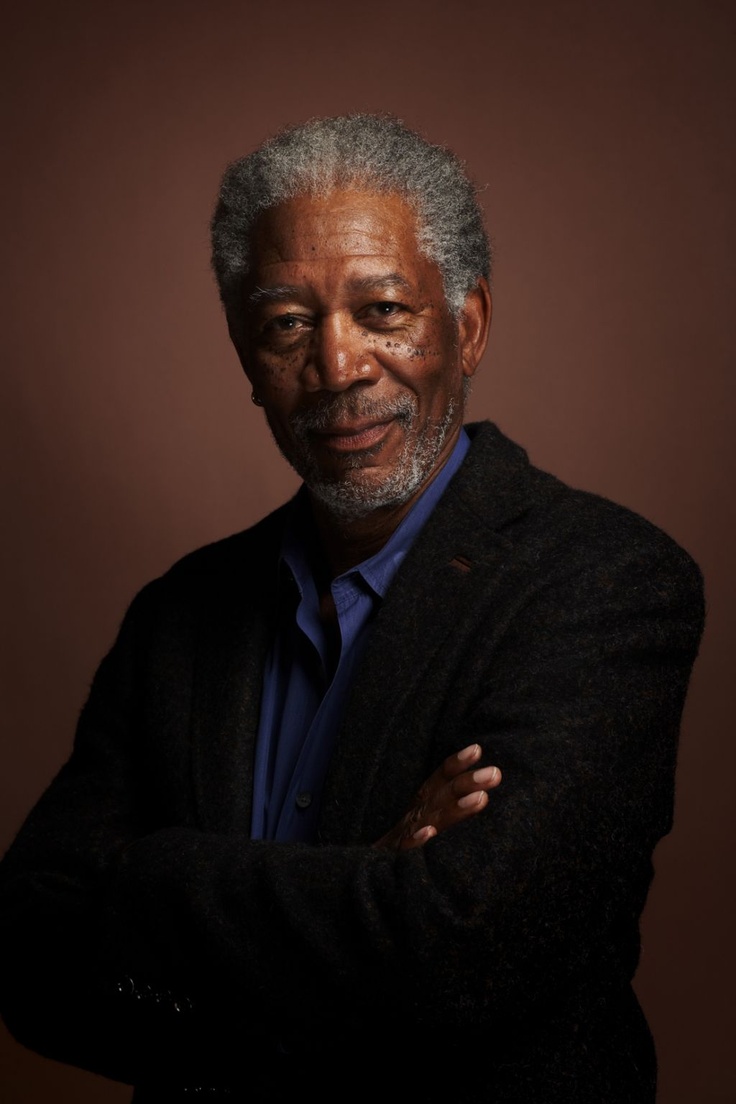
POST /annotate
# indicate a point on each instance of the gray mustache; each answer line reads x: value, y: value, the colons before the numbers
x: 345, y: 406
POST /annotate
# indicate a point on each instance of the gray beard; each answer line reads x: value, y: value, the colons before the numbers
x: 352, y: 497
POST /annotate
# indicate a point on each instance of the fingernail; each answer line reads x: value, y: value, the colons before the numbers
x: 470, y: 800
x: 485, y: 774
x: 468, y: 752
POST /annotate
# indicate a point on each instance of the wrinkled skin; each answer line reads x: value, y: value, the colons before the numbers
x: 347, y: 324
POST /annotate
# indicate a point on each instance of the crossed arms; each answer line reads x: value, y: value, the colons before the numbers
x: 577, y: 702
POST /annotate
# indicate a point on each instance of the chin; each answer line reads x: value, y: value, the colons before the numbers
x: 357, y: 493
x: 359, y: 488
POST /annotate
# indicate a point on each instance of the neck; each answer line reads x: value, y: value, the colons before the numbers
x: 347, y: 542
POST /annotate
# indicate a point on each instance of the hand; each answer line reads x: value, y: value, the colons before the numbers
x: 453, y: 793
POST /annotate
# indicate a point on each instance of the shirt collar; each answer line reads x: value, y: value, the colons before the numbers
x: 300, y: 545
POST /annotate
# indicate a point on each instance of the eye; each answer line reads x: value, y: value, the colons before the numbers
x: 386, y: 310
x: 284, y: 329
x: 283, y: 323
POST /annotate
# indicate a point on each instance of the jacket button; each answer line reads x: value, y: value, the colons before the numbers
x: 304, y: 800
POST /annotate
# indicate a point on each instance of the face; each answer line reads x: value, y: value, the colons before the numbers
x: 351, y: 349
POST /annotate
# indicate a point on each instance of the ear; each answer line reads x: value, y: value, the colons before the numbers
x: 474, y: 325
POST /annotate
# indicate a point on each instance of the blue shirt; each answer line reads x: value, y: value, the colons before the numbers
x: 310, y: 669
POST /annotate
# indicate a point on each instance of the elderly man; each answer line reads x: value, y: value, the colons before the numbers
x: 364, y: 798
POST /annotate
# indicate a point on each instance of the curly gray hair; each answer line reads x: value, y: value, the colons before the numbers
x: 374, y: 152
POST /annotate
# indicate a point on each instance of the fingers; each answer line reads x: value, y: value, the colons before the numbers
x: 460, y: 761
x: 473, y: 801
x: 462, y: 809
x: 411, y: 843
x: 463, y: 797
x: 456, y: 791
x: 485, y: 778
x: 457, y: 770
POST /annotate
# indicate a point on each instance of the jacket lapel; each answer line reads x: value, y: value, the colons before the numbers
x: 456, y: 560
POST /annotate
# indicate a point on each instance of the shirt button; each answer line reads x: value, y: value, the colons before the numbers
x: 303, y: 800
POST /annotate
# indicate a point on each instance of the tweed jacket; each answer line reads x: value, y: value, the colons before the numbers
x: 146, y: 937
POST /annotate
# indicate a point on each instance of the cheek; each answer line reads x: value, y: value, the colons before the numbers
x: 428, y: 366
x: 277, y: 376
x: 430, y: 346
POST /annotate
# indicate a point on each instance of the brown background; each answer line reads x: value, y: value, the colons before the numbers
x: 604, y: 134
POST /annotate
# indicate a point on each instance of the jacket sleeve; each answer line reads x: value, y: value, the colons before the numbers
x: 579, y: 704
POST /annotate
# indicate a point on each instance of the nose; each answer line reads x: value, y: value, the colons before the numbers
x: 341, y: 355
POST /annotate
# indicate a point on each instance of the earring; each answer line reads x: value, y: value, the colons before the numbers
x: 255, y: 400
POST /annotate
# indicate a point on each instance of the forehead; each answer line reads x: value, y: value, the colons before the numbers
x: 342, y: 225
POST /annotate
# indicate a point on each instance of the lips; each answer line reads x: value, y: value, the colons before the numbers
x: 352, y: 437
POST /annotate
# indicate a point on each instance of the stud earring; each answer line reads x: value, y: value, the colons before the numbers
x: 255, y: 400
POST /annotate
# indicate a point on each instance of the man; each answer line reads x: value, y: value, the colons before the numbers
x: 223, y: 892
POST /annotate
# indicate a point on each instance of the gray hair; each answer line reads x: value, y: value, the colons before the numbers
x: 373, y: 152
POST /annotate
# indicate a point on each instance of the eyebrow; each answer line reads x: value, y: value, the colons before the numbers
x: 366, y: 284
x: 380, y: 283
x: 272, y: 294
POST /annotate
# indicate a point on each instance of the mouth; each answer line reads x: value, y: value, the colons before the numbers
x: 353, y: 436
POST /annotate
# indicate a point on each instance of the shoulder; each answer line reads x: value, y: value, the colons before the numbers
x: 542, y: 520
x: 236, y: 568
x: 239, y: 553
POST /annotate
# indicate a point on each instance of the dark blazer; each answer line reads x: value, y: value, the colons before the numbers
x: 147, y: 938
